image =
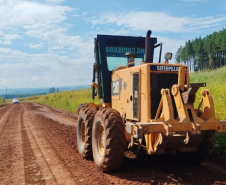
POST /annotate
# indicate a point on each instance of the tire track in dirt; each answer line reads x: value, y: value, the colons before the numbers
x: 63, y: 138
x: 57, y: 114
x: 41, y: 148
x: 214, y: 167
x: 4, y: 115
x: 4, y: 109
x: 5, y: 150
x: 60, y: 174
x: 11, y: 155
x: 32, y: 168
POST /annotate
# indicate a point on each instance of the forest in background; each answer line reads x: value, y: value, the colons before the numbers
x: 11, y: 96
x: 204, y: 53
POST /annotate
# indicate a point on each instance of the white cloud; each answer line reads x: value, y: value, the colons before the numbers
x: 41, y: 21
x: 17, y: 14
x: 35, y: 46
x: 20, y: 13
x: 76, y: 15
x: 45, y: 70
x: 169, y: 45
x: 8, y: 55
x: 55, y: 1
x: 158, y: 21
x: 84, y: 13
x: 56, y: 38
x: 34, y: 78
x: 8, y: 38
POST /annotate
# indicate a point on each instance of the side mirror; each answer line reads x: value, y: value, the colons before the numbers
x: 168, y: 56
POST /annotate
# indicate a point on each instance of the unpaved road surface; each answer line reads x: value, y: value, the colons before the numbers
x: 38, y: 146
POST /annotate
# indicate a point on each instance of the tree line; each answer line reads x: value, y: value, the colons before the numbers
x: 53, y: 90
x: 11, y: 96
x: 204, y: 53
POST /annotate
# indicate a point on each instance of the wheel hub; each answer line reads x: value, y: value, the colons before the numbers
x: 82, y: 133
x: 101, y: 140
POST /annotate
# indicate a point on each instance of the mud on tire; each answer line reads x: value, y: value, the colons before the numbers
x: 108, y: 139
x: 81, y: 106
x: 84, y: 131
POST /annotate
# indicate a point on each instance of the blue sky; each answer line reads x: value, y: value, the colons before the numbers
x: 49, y: 43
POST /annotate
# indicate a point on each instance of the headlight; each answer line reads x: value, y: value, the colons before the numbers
x: 168, y: 56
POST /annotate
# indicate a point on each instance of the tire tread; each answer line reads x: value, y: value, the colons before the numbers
x: 115, y: 139
x: 89, y: 115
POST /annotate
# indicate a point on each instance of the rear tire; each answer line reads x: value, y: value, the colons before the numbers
x: 108, y: 139
x: 81, y: 106
x: 84, y: 131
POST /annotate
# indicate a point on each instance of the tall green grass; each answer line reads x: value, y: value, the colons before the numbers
x: 216, y: 83
x: 67, y: 100
x: 2, y: 101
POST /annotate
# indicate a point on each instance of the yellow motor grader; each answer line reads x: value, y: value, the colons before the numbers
x: 145, y: 106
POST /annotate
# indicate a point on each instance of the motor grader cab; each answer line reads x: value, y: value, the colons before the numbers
x: 145, y: 105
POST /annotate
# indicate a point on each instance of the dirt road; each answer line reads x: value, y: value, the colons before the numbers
x: 38, y: 146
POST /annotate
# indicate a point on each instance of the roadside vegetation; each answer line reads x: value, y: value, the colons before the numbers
x: 11, y: 96
x: 66, y: 100
x: 2, y: 101
x: 216, y: 83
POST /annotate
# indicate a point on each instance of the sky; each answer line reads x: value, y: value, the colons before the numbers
x: 49, y: 43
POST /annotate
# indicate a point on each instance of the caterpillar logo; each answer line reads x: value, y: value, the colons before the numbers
x: 165, y: 68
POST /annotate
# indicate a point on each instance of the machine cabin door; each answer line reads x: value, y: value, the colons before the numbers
x: 136, y: 97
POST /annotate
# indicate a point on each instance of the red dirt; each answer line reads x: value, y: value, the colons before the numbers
x: 38, y: 146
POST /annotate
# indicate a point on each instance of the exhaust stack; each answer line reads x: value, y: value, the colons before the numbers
x: 147, y: 48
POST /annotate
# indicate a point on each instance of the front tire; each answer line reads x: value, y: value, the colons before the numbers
x: 108, y: 139
x: 84, y: 131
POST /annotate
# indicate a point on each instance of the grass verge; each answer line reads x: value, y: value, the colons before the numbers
x: 67, y: 100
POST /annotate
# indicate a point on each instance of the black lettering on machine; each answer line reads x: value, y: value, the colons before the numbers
x: 124, y: 50
x: 167, y: 68
x: 164, y: 68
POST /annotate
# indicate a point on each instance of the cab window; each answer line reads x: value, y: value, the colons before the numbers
x: 116, y: 56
